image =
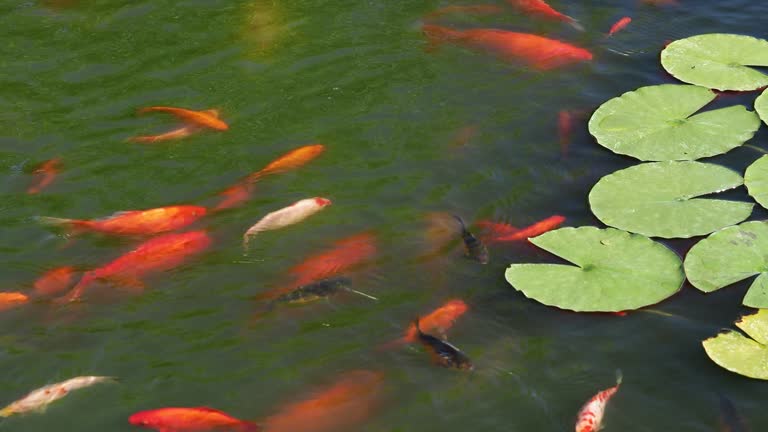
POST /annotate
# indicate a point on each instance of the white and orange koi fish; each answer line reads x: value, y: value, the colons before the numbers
x: 290, y: 215
x: 590, y: 417
x: 38, y: 400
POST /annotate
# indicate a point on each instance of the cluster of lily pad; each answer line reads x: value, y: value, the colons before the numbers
x: 621, y: 268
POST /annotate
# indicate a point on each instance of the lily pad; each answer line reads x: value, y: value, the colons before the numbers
x: 614, y: 271
x: 731, y: 255
x: 659, y: 199
x: 657, y: 123
x: 761, y: 106
x: 740, y: 354
x: 756, y: 180
x: 719, y: 61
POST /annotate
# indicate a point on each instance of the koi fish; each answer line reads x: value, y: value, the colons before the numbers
x: 590, y: 417
x: 492, y: 230
x: 730, y: 419
x: 464, y: 135
x: 564, y: 130
x: 536, y: 51
x: 475, y: 249
x: 54, y: 281
x: 38, y: 400
x: 161, y: 253
x: 10, y: 300
x: 190, y: 420
x: 290, y: 215
x: 135, y: 222
x: 468, y: 9
x: 443, y: 353
x: 437, y: 321
x: 234, y: 196
x: 542, y: 9
x: 47, y: 173
x: 207, y: 119
x: 343, y: 406
x: 175, y: 134
x: 534, y: 230
x: 619, y: 25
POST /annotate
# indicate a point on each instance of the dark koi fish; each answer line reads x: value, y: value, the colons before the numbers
x: 730, y: 419
x: 475, y: 249
x: 443, y: 353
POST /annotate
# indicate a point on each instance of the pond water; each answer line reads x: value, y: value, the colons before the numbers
x: 407, y: 132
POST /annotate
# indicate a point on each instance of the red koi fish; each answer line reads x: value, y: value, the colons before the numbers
x: 564, y: 130
x: 46, y: 173
x: 241, y: 192
x: 158, y: 254
x: 135, y: 222
x: 536, y: 51
x: 468, y: 9
x: 207, y: 119
x: 346, y: 254
x: 542, y: 9
x: 198, y: 419
x: 54, y: 282
x: 10, y: 300
x: 344, y: 406
x: 619, y: 25
x: 590, y: 417
x: 534, y: 230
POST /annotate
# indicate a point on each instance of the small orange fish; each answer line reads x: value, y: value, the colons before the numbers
x: 542, y: 9
x: 619, y: 25
x: 10, y: 300
x: 438, y: 321
x: 468, y: 9
x: 161, y: 253
x: 135, y: 222
x: 291, y: 160
x: 175, y: 134
x: 208, y: 119
x: 464, y: 136
x: 590, y: 417
x: 346, y: 405
x: 46, y: 173
x: 54, y: 282
x: 534, y: 230
x: 234, y: 196
x: 198, y: 419
x: 536, y: 51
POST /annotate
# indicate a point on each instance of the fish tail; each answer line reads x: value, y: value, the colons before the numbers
x: 72, y: 225
x: 76, y: 292
x: 575, y: 24
x: 619, y: 377
x: 437, y: 34
x: 461, y: 222
x: 248, y: 426
x: 6, y: 412
x: 143, y: 139
x: 416, y: 323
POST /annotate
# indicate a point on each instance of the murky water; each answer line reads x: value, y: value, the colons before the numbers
x: 354, y: 76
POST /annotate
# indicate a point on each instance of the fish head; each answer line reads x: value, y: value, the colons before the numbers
x: 142, y: 418
x: 456, y: 308
x: 322, y: 202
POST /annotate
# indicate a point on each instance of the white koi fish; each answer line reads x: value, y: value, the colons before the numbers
x: 290, y: 215
x: 38, y: 400
x: 590, y: 417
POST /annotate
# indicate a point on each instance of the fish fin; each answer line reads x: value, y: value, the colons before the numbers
x: 418, y: 329
x: 210, y: 410
x: 7, y: 412
x: 132, y: 282
x: 73, y: 226
x: 437, y: 35
x: 248, y: 426
x: 575, y: 24
x: 619, y: 377
x: 212, y: 112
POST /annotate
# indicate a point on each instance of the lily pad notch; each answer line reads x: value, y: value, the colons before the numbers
x: 747, y: 356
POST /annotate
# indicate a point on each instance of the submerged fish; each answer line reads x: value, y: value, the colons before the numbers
x: 442, y: 352
x: 730, y: 419
x: 619, y: 25
x: 54, y: 281
x: 534, y: 230
x: 344, y: 406
x: 464, y: 9
x: 175, y: 134
x: 38, y: 400
x: 318, y: 290
x: 161, y: 253
x: 135, y: 222
x: 475, y: 249
x: 284, y: 217
x: 536, y: 51
x: 46, y: 173
x: 208, y: 119
x: 197, y: 419
x: 439, y: 320
x: 10, y: 300
x: 590, y: 417
x: 542, y: 9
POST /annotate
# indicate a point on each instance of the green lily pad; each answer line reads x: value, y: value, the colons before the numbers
x: 740, y: 354
x: 718, y: 61
x: 756, y: 181
x: 657, y: 123
x: 761, y: 106
x: 615, y: 271
x: 731, y: 255
x: 658, y: 199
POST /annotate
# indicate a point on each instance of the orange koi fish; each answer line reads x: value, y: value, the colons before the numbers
x: 468, y: 9
x: 542, y: 9
x: 135, y: 222
x: 198, y: 419
x: 158, y: 254
x: 590, y: 417
x: 534, y: 230
x: 175, y: 134
x: 619, y: 25
x: 46, y: 173
x: 438, y: 321
x: 344, y: 406
x: 536, y: 51
x: 10, y: 300
x: 38, y: 400
x: 234, y: 196
x: 207, y: 119
x: 54, y: 282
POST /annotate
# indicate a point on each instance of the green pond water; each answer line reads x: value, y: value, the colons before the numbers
x: 354, y: 76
